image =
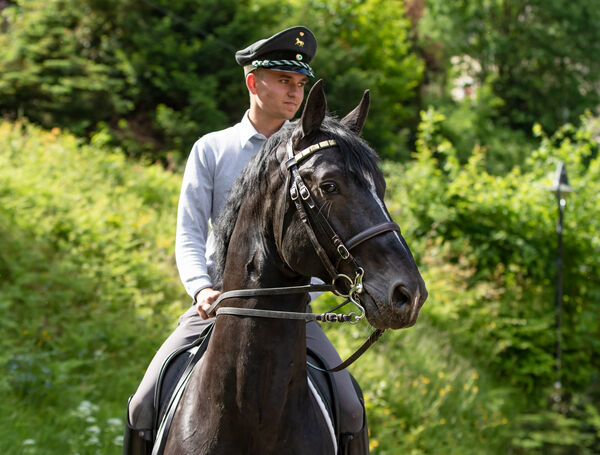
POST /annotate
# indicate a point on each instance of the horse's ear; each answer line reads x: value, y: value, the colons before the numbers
x: 355, y: 120
x: 314, y: 109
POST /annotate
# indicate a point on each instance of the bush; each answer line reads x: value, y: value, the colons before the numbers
x: 88, y: 282
x: 496, y: 235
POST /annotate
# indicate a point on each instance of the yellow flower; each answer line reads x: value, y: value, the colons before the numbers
x: 504, y: 420
x: 443, y: 421
x: 441, y: 374
x: 475, y: 389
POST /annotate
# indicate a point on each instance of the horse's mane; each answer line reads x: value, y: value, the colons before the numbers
x: 360, y: 160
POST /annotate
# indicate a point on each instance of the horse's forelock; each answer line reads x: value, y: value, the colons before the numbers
x: 359, y: 159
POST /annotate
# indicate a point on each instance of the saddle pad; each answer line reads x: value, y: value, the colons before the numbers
x: 325, y: 412
x: 172, y: 380
x: 177, y: 371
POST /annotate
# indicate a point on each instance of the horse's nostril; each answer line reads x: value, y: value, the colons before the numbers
x: 400, y: 297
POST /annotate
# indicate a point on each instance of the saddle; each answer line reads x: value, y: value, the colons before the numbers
x: 176, y: 372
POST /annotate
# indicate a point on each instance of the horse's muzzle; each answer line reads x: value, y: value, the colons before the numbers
x: 406, y: 304
x: 401, y: 307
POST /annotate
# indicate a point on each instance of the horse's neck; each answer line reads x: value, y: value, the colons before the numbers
x: 258, y: 365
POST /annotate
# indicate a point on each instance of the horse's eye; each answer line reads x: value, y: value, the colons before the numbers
x: 329, y: 187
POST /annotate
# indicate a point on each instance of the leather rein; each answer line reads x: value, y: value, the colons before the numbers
x: 341, y: 284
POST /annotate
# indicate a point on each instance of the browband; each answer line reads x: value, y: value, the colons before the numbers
x: 295, y: 159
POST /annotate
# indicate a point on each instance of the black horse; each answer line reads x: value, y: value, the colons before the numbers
x: 310, y: 204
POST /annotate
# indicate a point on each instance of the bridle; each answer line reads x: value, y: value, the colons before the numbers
x: 349, y: 286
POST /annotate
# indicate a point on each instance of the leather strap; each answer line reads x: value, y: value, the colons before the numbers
x: 370, y: 233
x: 245, y: 293
x: 322, y: 317
x: 354, y: 357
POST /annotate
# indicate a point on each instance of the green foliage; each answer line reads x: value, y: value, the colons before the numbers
x: 489, y: 245
x: 475, y: 123
x: 422, y: 396
x: 54, y: 67
x: 87, y: 275
x: 366, y: 45
x: 89, y: 282
x: 78, y: 65
x: 154, y: 75
x: 545, y: 55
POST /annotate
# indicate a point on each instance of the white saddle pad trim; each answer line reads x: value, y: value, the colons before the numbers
x: 325, y: 413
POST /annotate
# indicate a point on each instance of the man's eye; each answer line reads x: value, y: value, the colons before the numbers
x: 329, y: 188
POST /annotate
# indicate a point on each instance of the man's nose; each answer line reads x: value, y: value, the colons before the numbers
x: 295, y: 91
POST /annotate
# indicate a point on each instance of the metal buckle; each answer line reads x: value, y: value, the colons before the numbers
x: 304, y: 193
x: 294, y: 192
x: 343, y: 251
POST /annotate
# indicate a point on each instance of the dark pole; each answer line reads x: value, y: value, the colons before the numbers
x: 561, y: 188
x: 559, y: 289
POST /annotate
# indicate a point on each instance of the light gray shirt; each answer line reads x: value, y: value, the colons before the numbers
x: 215, y: 162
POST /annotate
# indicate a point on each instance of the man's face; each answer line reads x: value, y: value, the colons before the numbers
x: 279, y: 93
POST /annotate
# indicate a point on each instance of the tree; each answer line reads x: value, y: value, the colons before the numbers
x: 366, y: 45
x: 154, y: 74
x: 544, y: 55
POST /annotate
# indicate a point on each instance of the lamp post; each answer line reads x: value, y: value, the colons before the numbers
x: 561, y: 189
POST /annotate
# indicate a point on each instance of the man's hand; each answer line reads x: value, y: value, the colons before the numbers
x: 205, y: 298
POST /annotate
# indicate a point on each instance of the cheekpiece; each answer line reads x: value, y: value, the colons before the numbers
x: 289, y: 50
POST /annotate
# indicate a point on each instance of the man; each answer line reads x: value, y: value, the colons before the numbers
x: 276, y: 70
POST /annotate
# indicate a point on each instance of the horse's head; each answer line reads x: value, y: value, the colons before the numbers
x: 346, y: 188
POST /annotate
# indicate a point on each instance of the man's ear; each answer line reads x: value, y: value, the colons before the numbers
x: 251, y: 82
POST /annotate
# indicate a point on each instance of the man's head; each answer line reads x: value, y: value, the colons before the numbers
x: 290, y: 50
x: 277, y: 69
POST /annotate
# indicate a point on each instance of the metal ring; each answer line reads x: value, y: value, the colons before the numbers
x: 350, y: 285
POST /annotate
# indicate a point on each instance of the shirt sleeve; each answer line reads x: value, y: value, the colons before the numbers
x: 193, y: 215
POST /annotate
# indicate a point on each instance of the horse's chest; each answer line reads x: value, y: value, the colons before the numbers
x: 247, y: 436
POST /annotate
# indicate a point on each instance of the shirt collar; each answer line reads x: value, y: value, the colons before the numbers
x: 248, y: 132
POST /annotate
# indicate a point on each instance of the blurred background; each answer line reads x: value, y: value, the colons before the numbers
x: 474, y: 106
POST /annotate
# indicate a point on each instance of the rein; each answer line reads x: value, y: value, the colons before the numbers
x: 308, y: 210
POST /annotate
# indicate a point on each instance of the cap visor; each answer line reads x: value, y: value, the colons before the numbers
x: 289, y: 69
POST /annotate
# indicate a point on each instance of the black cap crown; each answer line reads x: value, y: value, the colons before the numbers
x: 289, y: 50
